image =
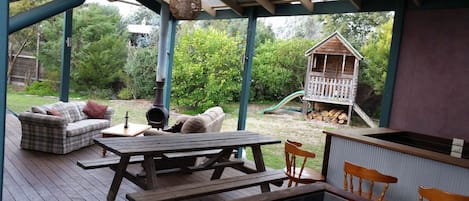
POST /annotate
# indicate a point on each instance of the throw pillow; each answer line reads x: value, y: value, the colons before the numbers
x: 194, y: 125
x: 94, y: 110
x: 54, y: 112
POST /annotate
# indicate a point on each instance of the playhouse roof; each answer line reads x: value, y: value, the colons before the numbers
x: 341, y: 39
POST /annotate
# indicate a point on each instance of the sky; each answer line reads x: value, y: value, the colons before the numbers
x: 124, y: 8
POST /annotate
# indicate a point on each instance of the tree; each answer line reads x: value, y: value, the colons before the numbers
x: 207, y: 69
x: 24, y: 39
x: 141, y: 71
x: 98, y: 48
x: 279, y: 68
x: 307, y: 27
x: 355, y: 27
x: 376, y: 53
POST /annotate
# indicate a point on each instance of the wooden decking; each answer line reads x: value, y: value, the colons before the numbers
x: 31, y: 175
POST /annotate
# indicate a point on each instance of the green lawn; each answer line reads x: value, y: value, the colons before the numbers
x: 282, y: 127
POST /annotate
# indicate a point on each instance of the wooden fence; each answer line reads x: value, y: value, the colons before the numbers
x: 26, y: 70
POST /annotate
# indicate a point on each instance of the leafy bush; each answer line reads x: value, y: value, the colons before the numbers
x: 140, y: 72
x: 279, y: 68
x: 44, y: 88
x: 207, y: 69
x: 125, y: 94
x: 376, y: 52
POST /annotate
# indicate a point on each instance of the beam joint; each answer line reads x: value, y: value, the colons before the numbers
x: 308, y: 5
x: 234, y: 6
x: 212, y: 12
x: 269, y: 6
x: 357, y: 4
x: 40, y: 13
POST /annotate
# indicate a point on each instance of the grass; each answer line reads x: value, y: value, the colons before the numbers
x: 289, y: 125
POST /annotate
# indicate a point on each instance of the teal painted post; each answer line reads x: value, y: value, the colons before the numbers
x: 169, y: 65
x: 66, y: 55
x: 249, y: 55
x: 391, y: 74
x: 4, y: 7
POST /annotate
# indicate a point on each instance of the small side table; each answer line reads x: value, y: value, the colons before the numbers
x: 119, y: 131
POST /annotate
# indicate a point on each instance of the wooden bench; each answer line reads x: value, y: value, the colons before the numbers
x: 208, y: 187
x: 172, y: 157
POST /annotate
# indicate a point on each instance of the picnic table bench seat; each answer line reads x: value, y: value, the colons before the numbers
x: 110, y: 161
x: 208, y: 187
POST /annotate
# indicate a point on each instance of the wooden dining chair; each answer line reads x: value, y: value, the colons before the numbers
x: 352, y: 170
x: 434, y: 194
x: 295, y: 159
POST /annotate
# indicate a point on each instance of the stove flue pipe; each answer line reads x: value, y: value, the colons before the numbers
x: 158, y: 115
x: 162, y: 55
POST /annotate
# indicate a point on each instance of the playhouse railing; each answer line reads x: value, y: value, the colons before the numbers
x: 332, y: 90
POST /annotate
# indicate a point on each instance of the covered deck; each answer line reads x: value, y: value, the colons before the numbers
x: 31, y: 175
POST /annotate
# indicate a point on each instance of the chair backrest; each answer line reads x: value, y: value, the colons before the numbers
x: 351, y: 170
x: 293, y: 152
x: 434, y: 194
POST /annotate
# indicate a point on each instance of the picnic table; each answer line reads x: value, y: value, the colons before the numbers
x: 157, y: 146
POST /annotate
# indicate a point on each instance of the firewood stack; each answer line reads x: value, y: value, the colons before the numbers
x: 332, y: 116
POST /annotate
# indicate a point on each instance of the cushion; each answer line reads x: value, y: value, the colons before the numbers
x: 38, y: 109
x: 194, y: 124
x: 183, y: 118
x: 61, y: 107
x: 94, y: 110
x: 54, y: 112
x: 73, y: 111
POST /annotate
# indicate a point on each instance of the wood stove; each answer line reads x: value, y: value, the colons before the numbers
x: 158, y: 115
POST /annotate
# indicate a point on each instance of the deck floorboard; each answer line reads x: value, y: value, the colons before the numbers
x: 38, y: 176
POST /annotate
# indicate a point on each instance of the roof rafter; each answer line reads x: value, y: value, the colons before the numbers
x: 212, y: 12
x: 234, y: 6
x: 269, y: 6
x: 357, y: 3
x: 308, y: 5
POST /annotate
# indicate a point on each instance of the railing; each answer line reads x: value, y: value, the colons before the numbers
x: 333, y: 90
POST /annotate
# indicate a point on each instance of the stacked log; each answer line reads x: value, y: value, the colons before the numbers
x: 332, y: 116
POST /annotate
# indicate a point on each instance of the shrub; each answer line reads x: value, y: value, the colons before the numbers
x: 140, y: 72
x: 125, y: 94
x: 206, y: 69
x: 44, y: 88
x: 279, y: 69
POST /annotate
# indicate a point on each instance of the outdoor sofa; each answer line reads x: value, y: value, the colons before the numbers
x: 209, y: 121
x: 63, y: 127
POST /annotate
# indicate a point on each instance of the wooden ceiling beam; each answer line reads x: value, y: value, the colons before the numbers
x: 308, y: 5
x: 234, y: 6
x: 212, y: 12
x: 357, y: 4
x: 269, y: 6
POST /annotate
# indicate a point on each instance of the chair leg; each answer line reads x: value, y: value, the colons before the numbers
x: 289, y: 183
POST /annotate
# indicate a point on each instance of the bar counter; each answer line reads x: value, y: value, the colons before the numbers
x: 415, y: 159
